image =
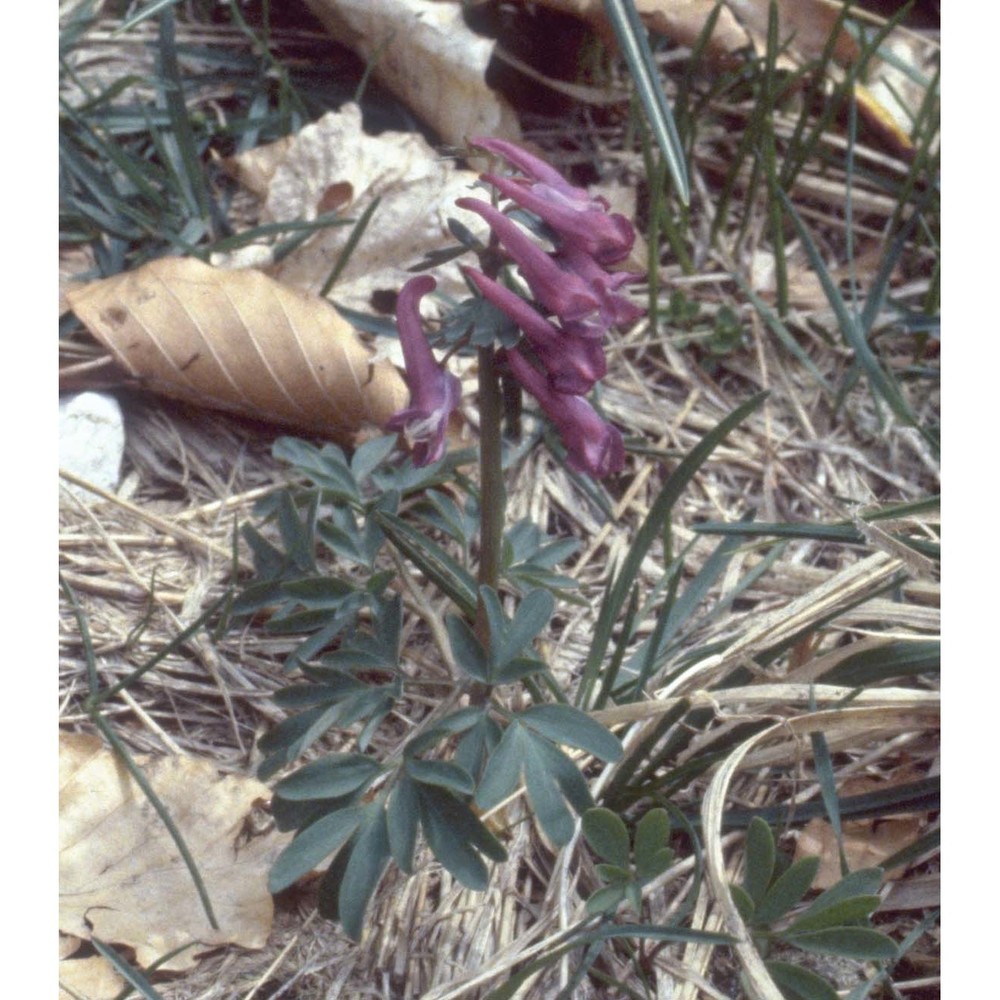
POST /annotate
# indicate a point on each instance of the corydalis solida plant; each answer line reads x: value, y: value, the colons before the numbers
x: 560, y: 357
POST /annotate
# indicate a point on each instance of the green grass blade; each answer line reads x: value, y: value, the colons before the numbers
x: 879, y: 379
x: 135, y: 978
x: 646, y: 535
x: 634, y: 43
x: 349, y: 247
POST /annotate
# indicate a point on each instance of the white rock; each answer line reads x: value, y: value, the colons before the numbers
x: 91, y: 441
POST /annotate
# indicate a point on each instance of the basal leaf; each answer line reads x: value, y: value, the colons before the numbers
x: 546, y: 798
x: 844, y: 911
x: 651, y: 835
x: 861, y: 943
x: 797, y: 983
x: 759, y: 860
x: 607, y: 835
x: 788, y: 890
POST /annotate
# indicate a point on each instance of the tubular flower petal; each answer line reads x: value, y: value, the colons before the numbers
x: 614, y: 309
x: 572, y: 364
x: 434, y: 392
x: 594, y: 446
x: 577, y: 217
x: 564, y: 293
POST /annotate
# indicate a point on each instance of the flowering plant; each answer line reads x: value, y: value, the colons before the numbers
x: 498, y: 719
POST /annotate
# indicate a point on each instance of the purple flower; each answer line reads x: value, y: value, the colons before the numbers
x: 434, y: 392
x: 593, y: 445
x: 572, y: 364
x: 579, y: 219
x: 614, y: 310
x: 562, y: 292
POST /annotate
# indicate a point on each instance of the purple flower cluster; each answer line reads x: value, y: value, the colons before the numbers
x: 570, y: 283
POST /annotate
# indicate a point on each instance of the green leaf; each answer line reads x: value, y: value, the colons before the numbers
x: 292, y: 736
x: 457, y: 837
x: 612, y: 873
x: 632, y: 38
x: 432, y: 560
x: 607, y: 835
x: 652, y: 855
x: 571, y: 782
x: 443, y: 773
x: 502, y: 773
x: 466, y: 648
x: 759, y: 860
x: 550, y: 809
x: 744, y: 904
x: 605, y: 900
x: 517, y: 669
x: 370, y: 455
x: 369, y: 857
x: 863, y: 882
x: 333, y: 775
x: 401, y: 820
x: 797, y: 983
x: 648, y: 533
x: 861, y: 943
x: 571, y: 727
x: 318, y: 591
x: 844, y: 911
x: 327, y: 468
x: 312, y: 845
x: 788, y: 890
x: 532, y: 615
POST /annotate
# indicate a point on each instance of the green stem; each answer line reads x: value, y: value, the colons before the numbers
x: 493, y: 499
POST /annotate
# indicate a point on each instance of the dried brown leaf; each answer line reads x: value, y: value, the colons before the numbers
x: 93, y: 978
x: 427, y: 55
x: 121, y: 876
x: 866, y: 845
x: 243, y: 342
x: 417, y: 188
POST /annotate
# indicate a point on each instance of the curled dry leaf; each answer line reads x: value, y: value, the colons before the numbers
x: 121, y: 877
x: 243, y: 342
x: 334, y: 157
x: 425, y: 53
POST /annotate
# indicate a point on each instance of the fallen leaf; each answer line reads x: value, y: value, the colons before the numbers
x: 121, y: 876
x: 243, y: 342
x: 93, y: 978
x: 425, y: 53
x: 417, y: 188
x: 867, y: 843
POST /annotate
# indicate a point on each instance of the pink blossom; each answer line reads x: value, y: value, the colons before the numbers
x: 572, y: 364
x: 593, y: 445
x: 434, y: 392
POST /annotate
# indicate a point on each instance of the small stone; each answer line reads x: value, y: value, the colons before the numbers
x: 91, y: 441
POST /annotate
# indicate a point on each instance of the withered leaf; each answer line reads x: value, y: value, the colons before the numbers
x: 121, y: 877
x: 243, y: 342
